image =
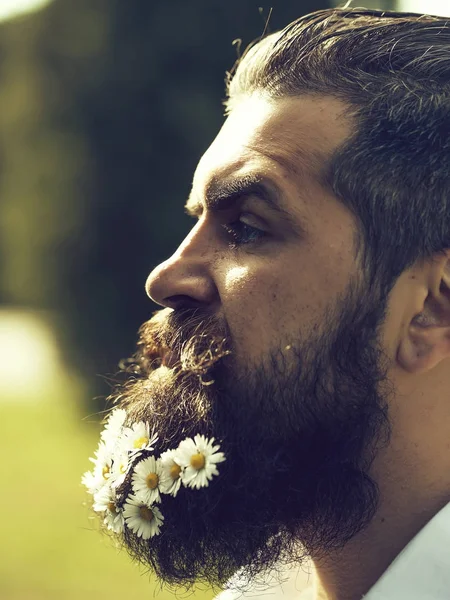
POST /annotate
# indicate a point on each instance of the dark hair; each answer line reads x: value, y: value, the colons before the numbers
x: 393, y: 71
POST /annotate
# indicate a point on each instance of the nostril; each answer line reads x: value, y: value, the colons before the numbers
x: 180, y: 301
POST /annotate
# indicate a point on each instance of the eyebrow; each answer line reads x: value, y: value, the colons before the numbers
x: 224, y: 194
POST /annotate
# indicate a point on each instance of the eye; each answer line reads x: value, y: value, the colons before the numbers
x: 242, y: 233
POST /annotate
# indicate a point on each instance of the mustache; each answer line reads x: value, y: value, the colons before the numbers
x: 186, y: 340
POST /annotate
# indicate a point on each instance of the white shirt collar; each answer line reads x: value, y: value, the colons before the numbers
x: 420, y: 572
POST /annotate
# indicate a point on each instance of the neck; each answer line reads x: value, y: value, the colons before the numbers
x: 408, y: 500
x: 350, y: 573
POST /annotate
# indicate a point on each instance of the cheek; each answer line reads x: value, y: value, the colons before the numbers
x: 264, y: 307
x: 271, y: 303
x: 247, y: 304
x: 236, y: 279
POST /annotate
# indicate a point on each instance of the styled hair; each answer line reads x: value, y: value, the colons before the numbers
x: 393, y: 71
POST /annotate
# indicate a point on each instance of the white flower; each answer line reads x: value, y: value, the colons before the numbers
x: 94, y: 480
x: 105, y: 502
x: 198, y: 457
x: 102, y: 498
x: 144, y: 520
x: 137, y: 438
x: 171, y: 471
x: 113, y: 427
x: 114, y: 520
x: 146, y: 480
x: 121, y: 464
x: 103, y: 460
x: 90, y: 481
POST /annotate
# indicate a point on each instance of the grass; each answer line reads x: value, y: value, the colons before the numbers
x: 50, y: 549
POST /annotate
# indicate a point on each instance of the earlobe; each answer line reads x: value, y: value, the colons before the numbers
x: 425, y: 346
x: 426, y: 341
x: 414, y: 357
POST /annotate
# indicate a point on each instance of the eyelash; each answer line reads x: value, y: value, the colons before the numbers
x: 242, y: 233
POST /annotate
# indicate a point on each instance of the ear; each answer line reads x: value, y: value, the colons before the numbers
x: 427, y: 340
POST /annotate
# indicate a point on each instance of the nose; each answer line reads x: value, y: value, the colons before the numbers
x: 184, y: 280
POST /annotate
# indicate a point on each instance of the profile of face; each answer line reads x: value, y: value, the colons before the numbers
x: 271, y: 342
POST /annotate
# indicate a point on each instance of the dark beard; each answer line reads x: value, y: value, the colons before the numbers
x: 299, y: 432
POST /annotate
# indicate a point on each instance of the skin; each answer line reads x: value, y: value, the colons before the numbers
x: 301, y: 266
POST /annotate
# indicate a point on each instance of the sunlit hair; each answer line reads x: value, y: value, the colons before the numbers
x: 393, y: 71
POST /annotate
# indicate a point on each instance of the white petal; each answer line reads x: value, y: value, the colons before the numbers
x: 188, y: 475
x: 216, y: 458
x: 90, y: 481
x: 182, y: 455
x: 114, y: 522
x: 134, y: 521
x: 113, y: 425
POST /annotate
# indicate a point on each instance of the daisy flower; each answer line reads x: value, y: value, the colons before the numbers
x: 98, y: 477
x: 146, y: 480
x: 121, y: 464
x: 113, y: 427
x: 103, y: 459
x: 198, y: 457
x: 91, y: 482
x: 105, y: 502
x: 171, y: 471
x: 137, y: 438
x: 143, y: 519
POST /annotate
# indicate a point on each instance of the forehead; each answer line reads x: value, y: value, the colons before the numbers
x: 288, y: 138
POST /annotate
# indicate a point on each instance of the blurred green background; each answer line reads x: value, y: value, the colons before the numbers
x: 105, y: 109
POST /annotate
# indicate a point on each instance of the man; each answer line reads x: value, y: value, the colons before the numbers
x: 306, y: 329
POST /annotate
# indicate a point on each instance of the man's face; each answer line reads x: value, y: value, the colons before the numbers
x: 267, y: 274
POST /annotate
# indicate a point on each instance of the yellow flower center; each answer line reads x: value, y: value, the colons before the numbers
x: 112, y: 507
x: 198, y: 461
x: 139, y: 442
x: 105, y: 471
x: 175, y: 471
x: 152, y: 480
x: 145, y: 513
x: 123, y: 468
